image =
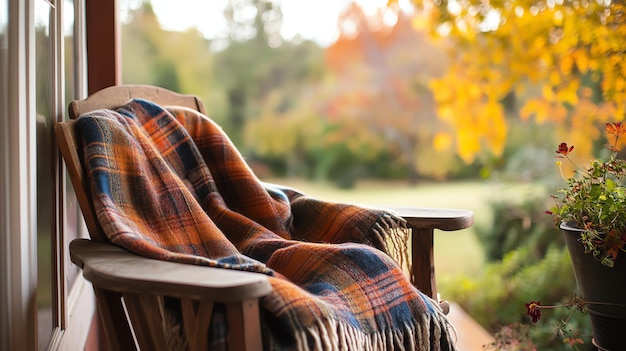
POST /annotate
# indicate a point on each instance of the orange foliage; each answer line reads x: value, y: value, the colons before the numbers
x: 379, y: 86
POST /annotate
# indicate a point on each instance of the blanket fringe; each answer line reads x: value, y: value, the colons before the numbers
x: 391, y: 234
x: 330, y: 335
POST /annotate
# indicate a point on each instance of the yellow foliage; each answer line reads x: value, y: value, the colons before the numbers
x: 569, y: 93
x: 582, y: 61
x: 547, y: 92
x: 442, y: 141
x: 497, y: 127
x: 620, y: 84
x: 535, y: 107
x: 567, y: 62
x: 469, y: 145
x: 564, y: 48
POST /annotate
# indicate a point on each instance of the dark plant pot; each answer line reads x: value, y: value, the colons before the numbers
x: 603, y: 288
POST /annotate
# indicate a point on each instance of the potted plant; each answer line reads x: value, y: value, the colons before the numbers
x: 591, y: 211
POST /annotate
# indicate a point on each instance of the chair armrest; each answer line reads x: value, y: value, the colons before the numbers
x: 112, y: 268
x: 435, y: 218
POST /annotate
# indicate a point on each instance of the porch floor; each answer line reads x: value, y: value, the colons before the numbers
x: 471, y: 336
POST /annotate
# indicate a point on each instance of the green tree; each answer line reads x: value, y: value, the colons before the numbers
x: 180, y: 61
x: 256, y: 62
x: 254, y: 19
x: 284, y: 122
x: 243, y: 64
x: 286, y: 130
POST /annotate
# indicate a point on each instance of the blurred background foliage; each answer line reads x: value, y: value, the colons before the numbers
x: 455, y: 91
x: 450, y: 83
x: 300, y: 109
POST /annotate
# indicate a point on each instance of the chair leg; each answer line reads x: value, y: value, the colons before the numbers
x: 244, y: 326
x: 145, y: 316
x: 423, y: 261
x: 114, y: 322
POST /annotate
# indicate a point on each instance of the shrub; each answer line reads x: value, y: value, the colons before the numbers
x: 497, y: 298
x: 518, y: 224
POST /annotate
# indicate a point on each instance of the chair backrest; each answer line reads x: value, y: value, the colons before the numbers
x: 130, y: 301
x: 108, y: 98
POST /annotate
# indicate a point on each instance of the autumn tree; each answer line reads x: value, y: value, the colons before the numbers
x: 379, y: 96
x: 563, y: 60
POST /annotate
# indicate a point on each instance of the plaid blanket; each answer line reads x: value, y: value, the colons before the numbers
x: 167, y: 183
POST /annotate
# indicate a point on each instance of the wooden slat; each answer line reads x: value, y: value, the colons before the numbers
x: 196, y: 321
x: 113, y: 97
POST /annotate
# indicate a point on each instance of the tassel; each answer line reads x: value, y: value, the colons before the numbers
x: 330, y: 335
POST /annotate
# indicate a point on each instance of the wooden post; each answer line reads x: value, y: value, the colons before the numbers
x: 103, y: 45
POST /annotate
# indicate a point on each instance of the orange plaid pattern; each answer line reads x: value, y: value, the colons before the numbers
x: 167, y: 183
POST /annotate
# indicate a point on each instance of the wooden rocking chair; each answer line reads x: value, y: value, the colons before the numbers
x: 129, y: 288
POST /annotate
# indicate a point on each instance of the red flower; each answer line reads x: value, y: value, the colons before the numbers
x: 563, y: 149
x: 615, y: 128
x: 533, y: 310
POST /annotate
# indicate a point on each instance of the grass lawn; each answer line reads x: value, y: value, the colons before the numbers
x: 455, y: 252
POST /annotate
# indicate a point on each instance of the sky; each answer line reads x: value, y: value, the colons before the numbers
x: 314, y: 19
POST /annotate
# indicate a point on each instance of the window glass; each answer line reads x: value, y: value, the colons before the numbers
x: 3, y: 54
x: 45, y: 175
x: 72, y: 211
x: 4, y: 9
